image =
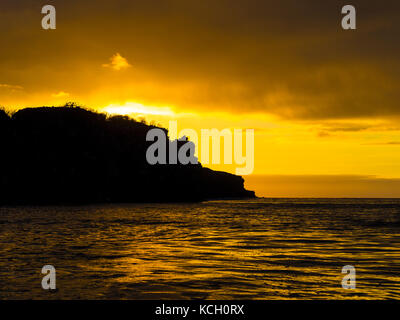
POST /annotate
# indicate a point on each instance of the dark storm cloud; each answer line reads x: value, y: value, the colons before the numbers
x: 289, y: 58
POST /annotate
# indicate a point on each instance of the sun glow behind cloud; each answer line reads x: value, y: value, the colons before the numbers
x: 133, y: 108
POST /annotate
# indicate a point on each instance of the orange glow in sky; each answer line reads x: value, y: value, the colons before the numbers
x: 323, y: 101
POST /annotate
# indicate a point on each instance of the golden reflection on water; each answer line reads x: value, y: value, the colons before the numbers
x: 258, y: 249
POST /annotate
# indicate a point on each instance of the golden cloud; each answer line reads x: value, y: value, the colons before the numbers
x: 117, y: 62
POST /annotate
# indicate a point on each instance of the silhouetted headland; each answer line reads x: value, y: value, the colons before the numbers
x: 70, y: 155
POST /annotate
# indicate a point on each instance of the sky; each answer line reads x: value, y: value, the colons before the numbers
x: 323, y: 101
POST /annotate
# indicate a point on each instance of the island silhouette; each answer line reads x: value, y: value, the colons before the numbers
x: 72, y: 155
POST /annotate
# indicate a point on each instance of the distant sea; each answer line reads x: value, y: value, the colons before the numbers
x: 250, y: 249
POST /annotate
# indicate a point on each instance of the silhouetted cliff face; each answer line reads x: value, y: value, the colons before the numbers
x: 72, y: 155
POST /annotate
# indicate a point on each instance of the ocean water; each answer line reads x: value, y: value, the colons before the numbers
x: 252, y: 249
